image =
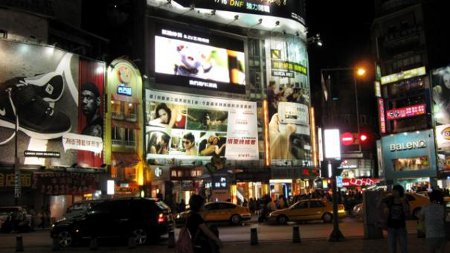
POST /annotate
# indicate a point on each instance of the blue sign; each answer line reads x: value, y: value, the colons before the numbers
x: 339, y: 181
x: 123, y: 90
x: 409, y: 155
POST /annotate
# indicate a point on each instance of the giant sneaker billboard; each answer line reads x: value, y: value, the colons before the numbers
x: 54, y: 99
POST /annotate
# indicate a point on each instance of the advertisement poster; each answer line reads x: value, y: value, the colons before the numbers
x: 187, y: 127
x: 443, y: 146
x: 288, y: 97
x: 196, y: 60
x: 440, y: 79
x: 293, y: 9
x: 57, y: 98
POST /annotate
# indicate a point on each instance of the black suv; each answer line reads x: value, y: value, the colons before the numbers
x: 142, y: 219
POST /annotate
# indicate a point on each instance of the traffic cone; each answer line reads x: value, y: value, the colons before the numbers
x: 19, y: 243
x: 171, y: 241
x: 296, y: 234
x: 253, y: 236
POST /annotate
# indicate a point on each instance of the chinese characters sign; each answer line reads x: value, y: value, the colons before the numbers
x: 406, y: 112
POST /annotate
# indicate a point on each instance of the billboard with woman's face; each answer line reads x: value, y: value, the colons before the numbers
x: 440, y: 79
x: 188, y: 127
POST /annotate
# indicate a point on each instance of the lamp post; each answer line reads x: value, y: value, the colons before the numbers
x: 333, y: 160
x: 360, y: 72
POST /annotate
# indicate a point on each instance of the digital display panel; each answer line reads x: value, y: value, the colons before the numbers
x: 202, y: 61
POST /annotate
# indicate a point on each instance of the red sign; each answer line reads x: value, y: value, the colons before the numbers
x: 359, y: 181
x: 347, y: 138
x: 381, y: 113
x: 65, y: 183
x: 406, y: 112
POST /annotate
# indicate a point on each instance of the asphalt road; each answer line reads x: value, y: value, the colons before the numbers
x: 40, y: 241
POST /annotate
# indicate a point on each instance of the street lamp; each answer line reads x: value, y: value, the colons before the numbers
x: 358, y: 72
x: 336, y: 235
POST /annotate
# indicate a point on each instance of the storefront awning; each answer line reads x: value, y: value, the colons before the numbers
x: 125, y: 159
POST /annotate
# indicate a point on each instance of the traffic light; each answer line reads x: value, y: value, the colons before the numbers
x: 363, y: 137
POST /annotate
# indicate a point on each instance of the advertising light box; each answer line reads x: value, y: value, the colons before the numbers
x: 293, y: 9
x: 59, y: 100
x: 199, y: 60
x: 187, y: 127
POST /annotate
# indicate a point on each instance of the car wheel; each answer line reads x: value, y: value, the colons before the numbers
x: 327, y: 217
x: 140, y: 236
x: 64, y: 239
x: 281, y: 219
x: 235, y: 219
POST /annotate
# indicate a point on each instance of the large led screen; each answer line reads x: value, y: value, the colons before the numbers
x: 186, y: 127
x: 207, y: 62
x: 57, y: 98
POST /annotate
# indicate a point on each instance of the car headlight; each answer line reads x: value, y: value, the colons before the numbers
x: 178, y: 216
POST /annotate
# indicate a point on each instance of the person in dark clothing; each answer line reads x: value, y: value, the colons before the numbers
x: 396, y: 209
x: 203, y: 238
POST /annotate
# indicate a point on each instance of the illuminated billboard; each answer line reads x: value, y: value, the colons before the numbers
x: 187, y: 127
x: 440, y: 79
x: 292, y: 9
x: 199, y: 60
x: 58, y: 98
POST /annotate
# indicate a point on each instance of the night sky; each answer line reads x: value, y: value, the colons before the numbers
x: 344, y: 27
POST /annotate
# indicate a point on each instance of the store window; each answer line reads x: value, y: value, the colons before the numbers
x: 116, y: 110
x: 130, y: 139
x: 117, y: 134
x: 412, y: 163
x: 131, y: 112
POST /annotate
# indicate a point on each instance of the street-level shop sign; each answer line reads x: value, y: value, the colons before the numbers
x: 408, y: 145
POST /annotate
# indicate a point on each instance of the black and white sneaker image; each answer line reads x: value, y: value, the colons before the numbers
x: 49, y: 86
x: 37, y: 118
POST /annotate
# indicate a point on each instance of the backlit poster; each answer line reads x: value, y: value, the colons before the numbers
x: 44, y: 86
x: 187, y: 127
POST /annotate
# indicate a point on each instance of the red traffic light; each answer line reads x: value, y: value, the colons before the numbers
x: 363, y: 137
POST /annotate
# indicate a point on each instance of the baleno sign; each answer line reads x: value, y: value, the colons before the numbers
x: 407, y: 145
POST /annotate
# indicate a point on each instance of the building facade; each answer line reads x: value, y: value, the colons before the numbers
x: 408, y: 51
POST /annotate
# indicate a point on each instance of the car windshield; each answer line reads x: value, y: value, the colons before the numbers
x: 162, y: 205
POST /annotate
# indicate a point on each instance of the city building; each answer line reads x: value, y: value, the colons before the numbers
x: 408, y: 49
x: 52, y: 80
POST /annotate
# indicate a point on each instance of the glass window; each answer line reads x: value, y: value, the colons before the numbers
x: 315, y: 204
x: 301, y: 205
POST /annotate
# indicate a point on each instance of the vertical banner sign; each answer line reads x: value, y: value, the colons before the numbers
x: 382, y: 117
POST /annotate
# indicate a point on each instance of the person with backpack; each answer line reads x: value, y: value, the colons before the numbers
x: 433, y: 216
x: 204, y: 240
x: 395, y: 210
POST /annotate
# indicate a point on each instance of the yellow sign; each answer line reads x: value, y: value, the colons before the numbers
x: 403, y: 75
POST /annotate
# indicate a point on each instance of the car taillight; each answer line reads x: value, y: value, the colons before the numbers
x: 161, y: 218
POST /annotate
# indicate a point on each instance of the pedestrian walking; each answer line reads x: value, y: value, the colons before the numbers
x: 395, y: 210
x: 433, y: 218
x: 204, y: 239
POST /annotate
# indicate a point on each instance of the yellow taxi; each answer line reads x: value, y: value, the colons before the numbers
x: 416, y: 202
x: 219, y: 212
x: 307, y: 209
